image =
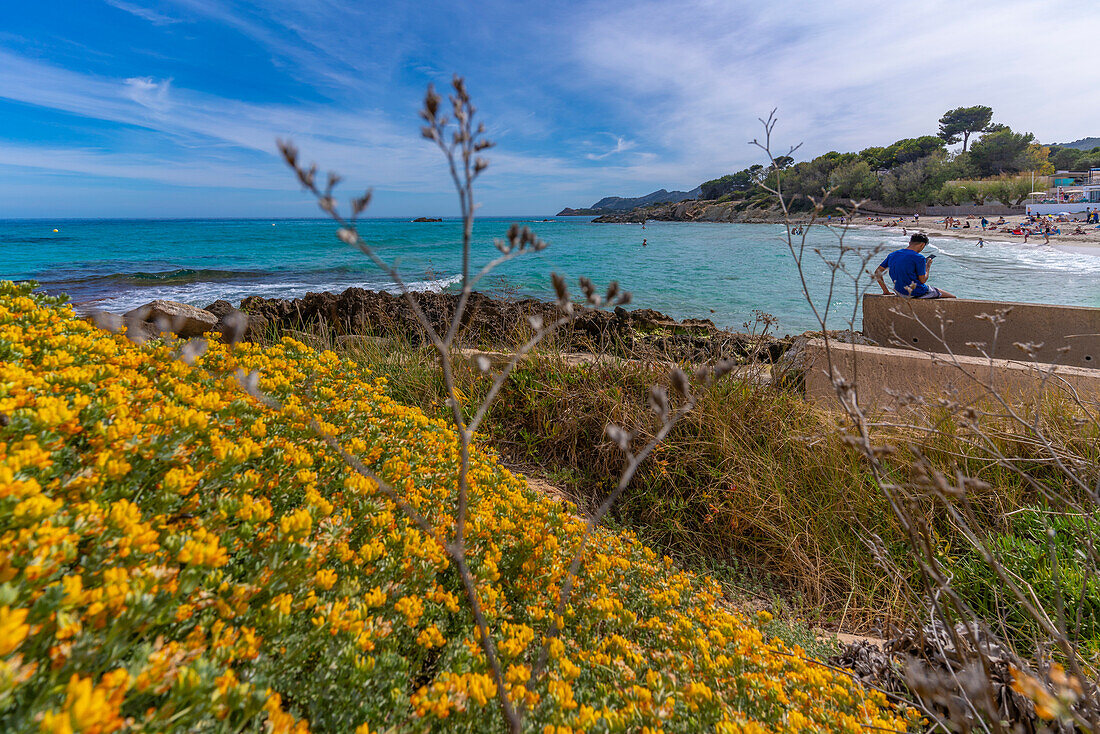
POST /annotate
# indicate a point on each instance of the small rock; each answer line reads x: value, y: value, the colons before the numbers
x: 233, y: 324
x: 178, y: 318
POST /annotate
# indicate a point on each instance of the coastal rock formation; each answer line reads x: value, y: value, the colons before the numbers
x: 612, y: 204
x: 233, y: 324
x: 178, y: 318
x: 427, y: 219
x: 497, y: 323
x: 693, y: 211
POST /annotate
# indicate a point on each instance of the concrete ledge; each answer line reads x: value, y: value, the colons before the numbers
x: 887, y: 377
x: 958, y: 323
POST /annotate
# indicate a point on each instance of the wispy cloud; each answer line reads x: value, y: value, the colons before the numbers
x: 142, y: 12
x: 149, y: 92
x: 621, y: 146
x: 680, y: 85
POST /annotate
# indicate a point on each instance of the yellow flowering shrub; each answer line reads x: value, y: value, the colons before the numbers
x: 176, y: 556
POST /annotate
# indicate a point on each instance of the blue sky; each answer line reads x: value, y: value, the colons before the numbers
x: 171, y: 108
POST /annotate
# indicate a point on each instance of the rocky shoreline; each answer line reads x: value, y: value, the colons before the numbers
x: 503, y: 323
x: 695, y: 211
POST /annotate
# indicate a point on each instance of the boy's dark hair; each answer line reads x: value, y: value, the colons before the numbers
x: 919, y: 237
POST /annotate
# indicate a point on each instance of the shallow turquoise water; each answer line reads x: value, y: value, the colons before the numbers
x: 719, y: 271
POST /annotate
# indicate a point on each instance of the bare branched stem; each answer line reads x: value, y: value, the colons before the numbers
x: 460, y: 148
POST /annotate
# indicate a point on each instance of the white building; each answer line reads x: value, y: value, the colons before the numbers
x: 1072, y: 192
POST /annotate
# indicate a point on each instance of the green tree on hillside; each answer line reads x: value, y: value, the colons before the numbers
x: 1003, y: 151
x: 962, y: 122
x: 1072, y: 159
x: 908, y: 150
x: 853, y: 179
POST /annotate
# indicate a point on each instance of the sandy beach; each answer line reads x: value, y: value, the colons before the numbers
x: 1088, y: 242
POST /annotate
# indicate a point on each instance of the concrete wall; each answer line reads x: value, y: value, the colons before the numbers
x: 1076, y: 208
x: 940, y: 211
x: 886, y: 378
x: 956, y: 326
x: 963, y: 210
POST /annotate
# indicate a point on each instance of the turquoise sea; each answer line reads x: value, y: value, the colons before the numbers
x: 719, y: 271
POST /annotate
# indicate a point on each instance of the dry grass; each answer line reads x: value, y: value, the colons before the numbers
x: 754, y: 484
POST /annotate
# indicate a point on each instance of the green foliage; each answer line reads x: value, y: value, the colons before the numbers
x: 741, y: 181
x: 854, y: 179
x: 1072, y: 159
x: 917, y: 182
x: 1026, y: 550
x: 962, y: 122
x: 908, y: 150
x: 1003, y: 151
x: 911, y: 171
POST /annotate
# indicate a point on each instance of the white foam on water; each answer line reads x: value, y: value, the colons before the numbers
x: 203, y: 294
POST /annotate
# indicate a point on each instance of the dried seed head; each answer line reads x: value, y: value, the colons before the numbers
x: 192, y: 350
x: 680, y: 383
x: 560, y: 288
x: 347, y: 235
x: 135, y: 325
x: 431, y: 104
x: 536, y: 321
x: 619, y: 436
x: 723, y: 368
x: 589, y: 291
x: 234, y: 327
x: 359, y: 205
x: 290, y: 153
x: 249, y: 381
x: 483, y: 363
x: 308, y: 177
x: 658, y: 401
x: 107, y: 321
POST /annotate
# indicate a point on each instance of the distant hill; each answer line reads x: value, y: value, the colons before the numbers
x: 613, y: 204
x: 1082, y: 144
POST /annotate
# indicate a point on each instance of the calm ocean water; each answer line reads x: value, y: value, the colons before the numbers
x: 719, y: 271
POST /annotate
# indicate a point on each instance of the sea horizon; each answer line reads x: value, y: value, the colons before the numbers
x: 721, y: 271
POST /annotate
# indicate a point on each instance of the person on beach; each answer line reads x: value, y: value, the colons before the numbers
x: 985, y: 223
x: 981, y: 242
x: 909, y: 271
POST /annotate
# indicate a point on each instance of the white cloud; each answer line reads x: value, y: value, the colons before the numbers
x: 621, y: 146
x: 208, y: 140
x: 148, y: 92
x: 142, y: 12
x: 681, y: 84
x: 844, y: 74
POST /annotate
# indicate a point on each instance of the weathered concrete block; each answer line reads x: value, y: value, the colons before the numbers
x: 885, y: 377
x: 173, y: 316
x: 958, y: 325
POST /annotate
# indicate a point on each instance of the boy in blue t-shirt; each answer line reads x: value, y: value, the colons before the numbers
x: 909, y: 271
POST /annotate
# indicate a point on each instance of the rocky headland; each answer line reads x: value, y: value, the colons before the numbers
x: 494, y: 323
x: 693, y: 211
